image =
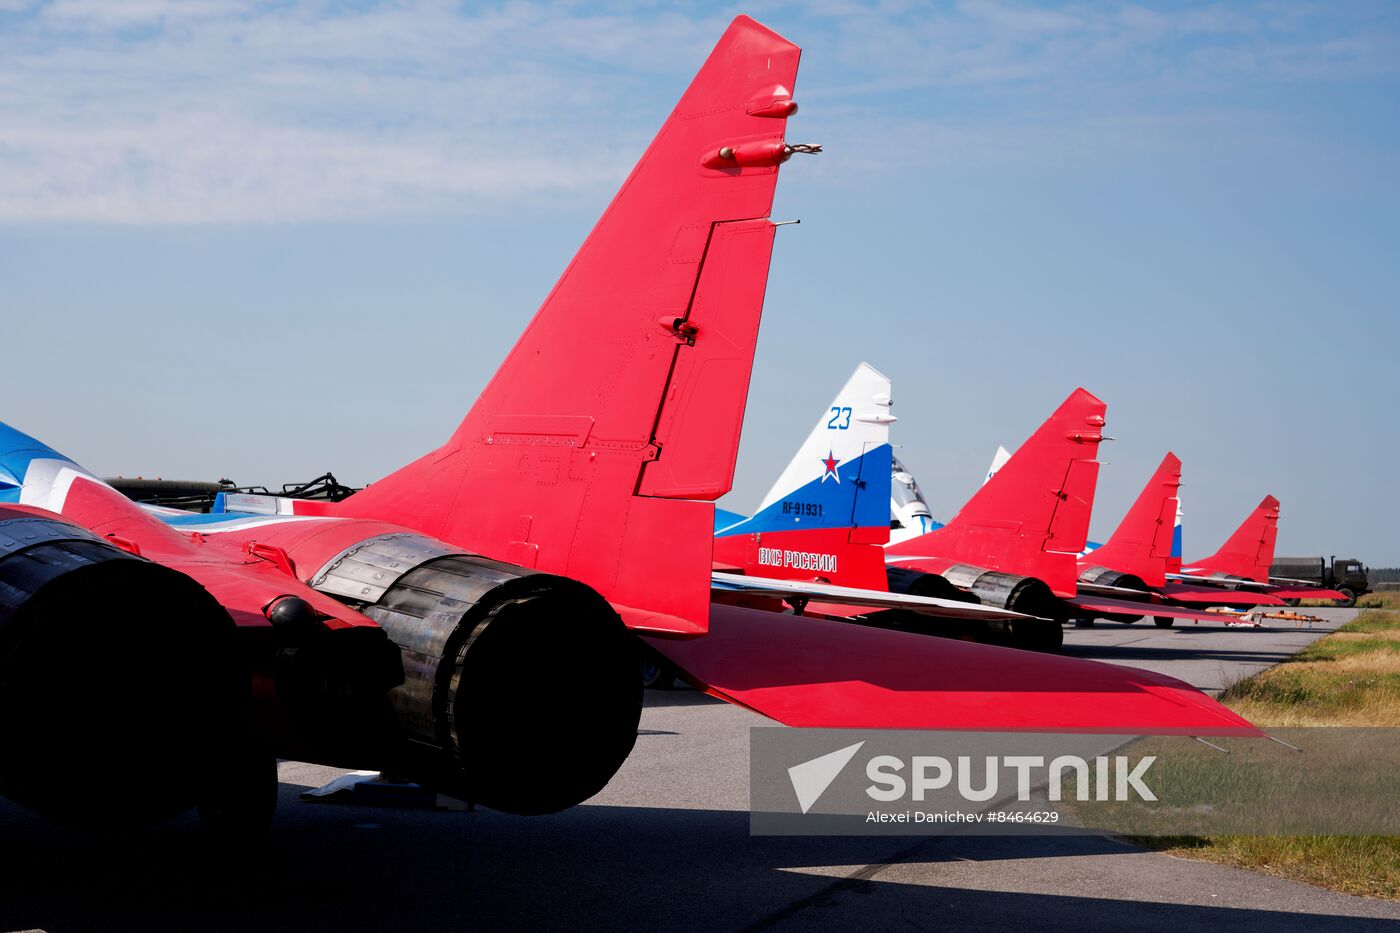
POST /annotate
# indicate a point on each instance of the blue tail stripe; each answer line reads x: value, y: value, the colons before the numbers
x: 860, y: 500
x: 724, y: 518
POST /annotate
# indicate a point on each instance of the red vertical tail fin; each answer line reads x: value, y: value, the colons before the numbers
x: 1032, y: 517
x: 1142, y: 543
x: 1249, y: 552
x: 627, y: 390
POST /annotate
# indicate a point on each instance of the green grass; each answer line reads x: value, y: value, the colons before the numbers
x: 1340, y: 698
x: 1372, y: 620
x: 1365, y: 865
x: 1387, y: 600
x: 1349, y: 678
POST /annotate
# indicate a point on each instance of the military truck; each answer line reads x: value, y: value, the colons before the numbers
x: 1346, y: 575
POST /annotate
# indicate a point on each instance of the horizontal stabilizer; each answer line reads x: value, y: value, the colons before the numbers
x: 1113, y: 592
x: 1307, y: 592
x: 1103, y: 605
x: 820, y: 674
x: 724, y: 583
x: 1215, y: 596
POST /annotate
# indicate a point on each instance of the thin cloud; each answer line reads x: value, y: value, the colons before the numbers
x: 166, y: 112
x: 163, y: 112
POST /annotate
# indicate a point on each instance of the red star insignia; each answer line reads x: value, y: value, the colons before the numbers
x: 830, y: 464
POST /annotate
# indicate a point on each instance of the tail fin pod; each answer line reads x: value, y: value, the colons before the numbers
x: 627, y: 390
x: 1032, y: 517
x: 840, y: 476
x: 1249, y: 552
x: 1142, y: 542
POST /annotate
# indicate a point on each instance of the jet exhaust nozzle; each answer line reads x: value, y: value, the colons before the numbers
x: 118, y: 679
x: 488, y: 650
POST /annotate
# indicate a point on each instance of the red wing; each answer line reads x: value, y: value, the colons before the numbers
x: 816, y: 673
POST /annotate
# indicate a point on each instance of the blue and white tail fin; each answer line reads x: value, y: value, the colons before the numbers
x: 998, y: 461
x: 840, y: 476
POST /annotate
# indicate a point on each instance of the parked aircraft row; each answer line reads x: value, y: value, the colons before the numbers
x: 846, y: 512
x: 567, y: 519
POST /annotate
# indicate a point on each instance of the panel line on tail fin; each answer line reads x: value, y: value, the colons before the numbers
x: 1141, y: 544
x: 665, y: 399
x: 1249, y: 551
x: 1032, y: 518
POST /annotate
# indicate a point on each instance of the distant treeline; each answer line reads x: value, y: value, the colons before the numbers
x: 1383, y: 574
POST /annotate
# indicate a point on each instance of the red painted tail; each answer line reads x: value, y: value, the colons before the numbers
x: 626, y: 393
x: 1032, y: 517
x: 1142, y: 542
x: 1249, y: 552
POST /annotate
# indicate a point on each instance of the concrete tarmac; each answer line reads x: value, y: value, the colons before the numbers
x: 666, y: 846
x: 1208, y: 656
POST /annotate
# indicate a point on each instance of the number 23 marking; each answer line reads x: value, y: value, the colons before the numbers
x: 836, y: 424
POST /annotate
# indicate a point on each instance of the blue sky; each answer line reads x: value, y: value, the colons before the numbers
x: 266, y: 239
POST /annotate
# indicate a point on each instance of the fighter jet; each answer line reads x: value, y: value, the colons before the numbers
x: 827, y: 519
x: 145, y: 669
x: 1242, y: 563
x: 1143, y: 555
x: 910, y: 510
x: 1116, y: 577
x: 1137, y: 559
x: 910, y: 514
x: 826, y: 516
x: 569, y: 514
x: 1015, y: 543
x: 815, y: 540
